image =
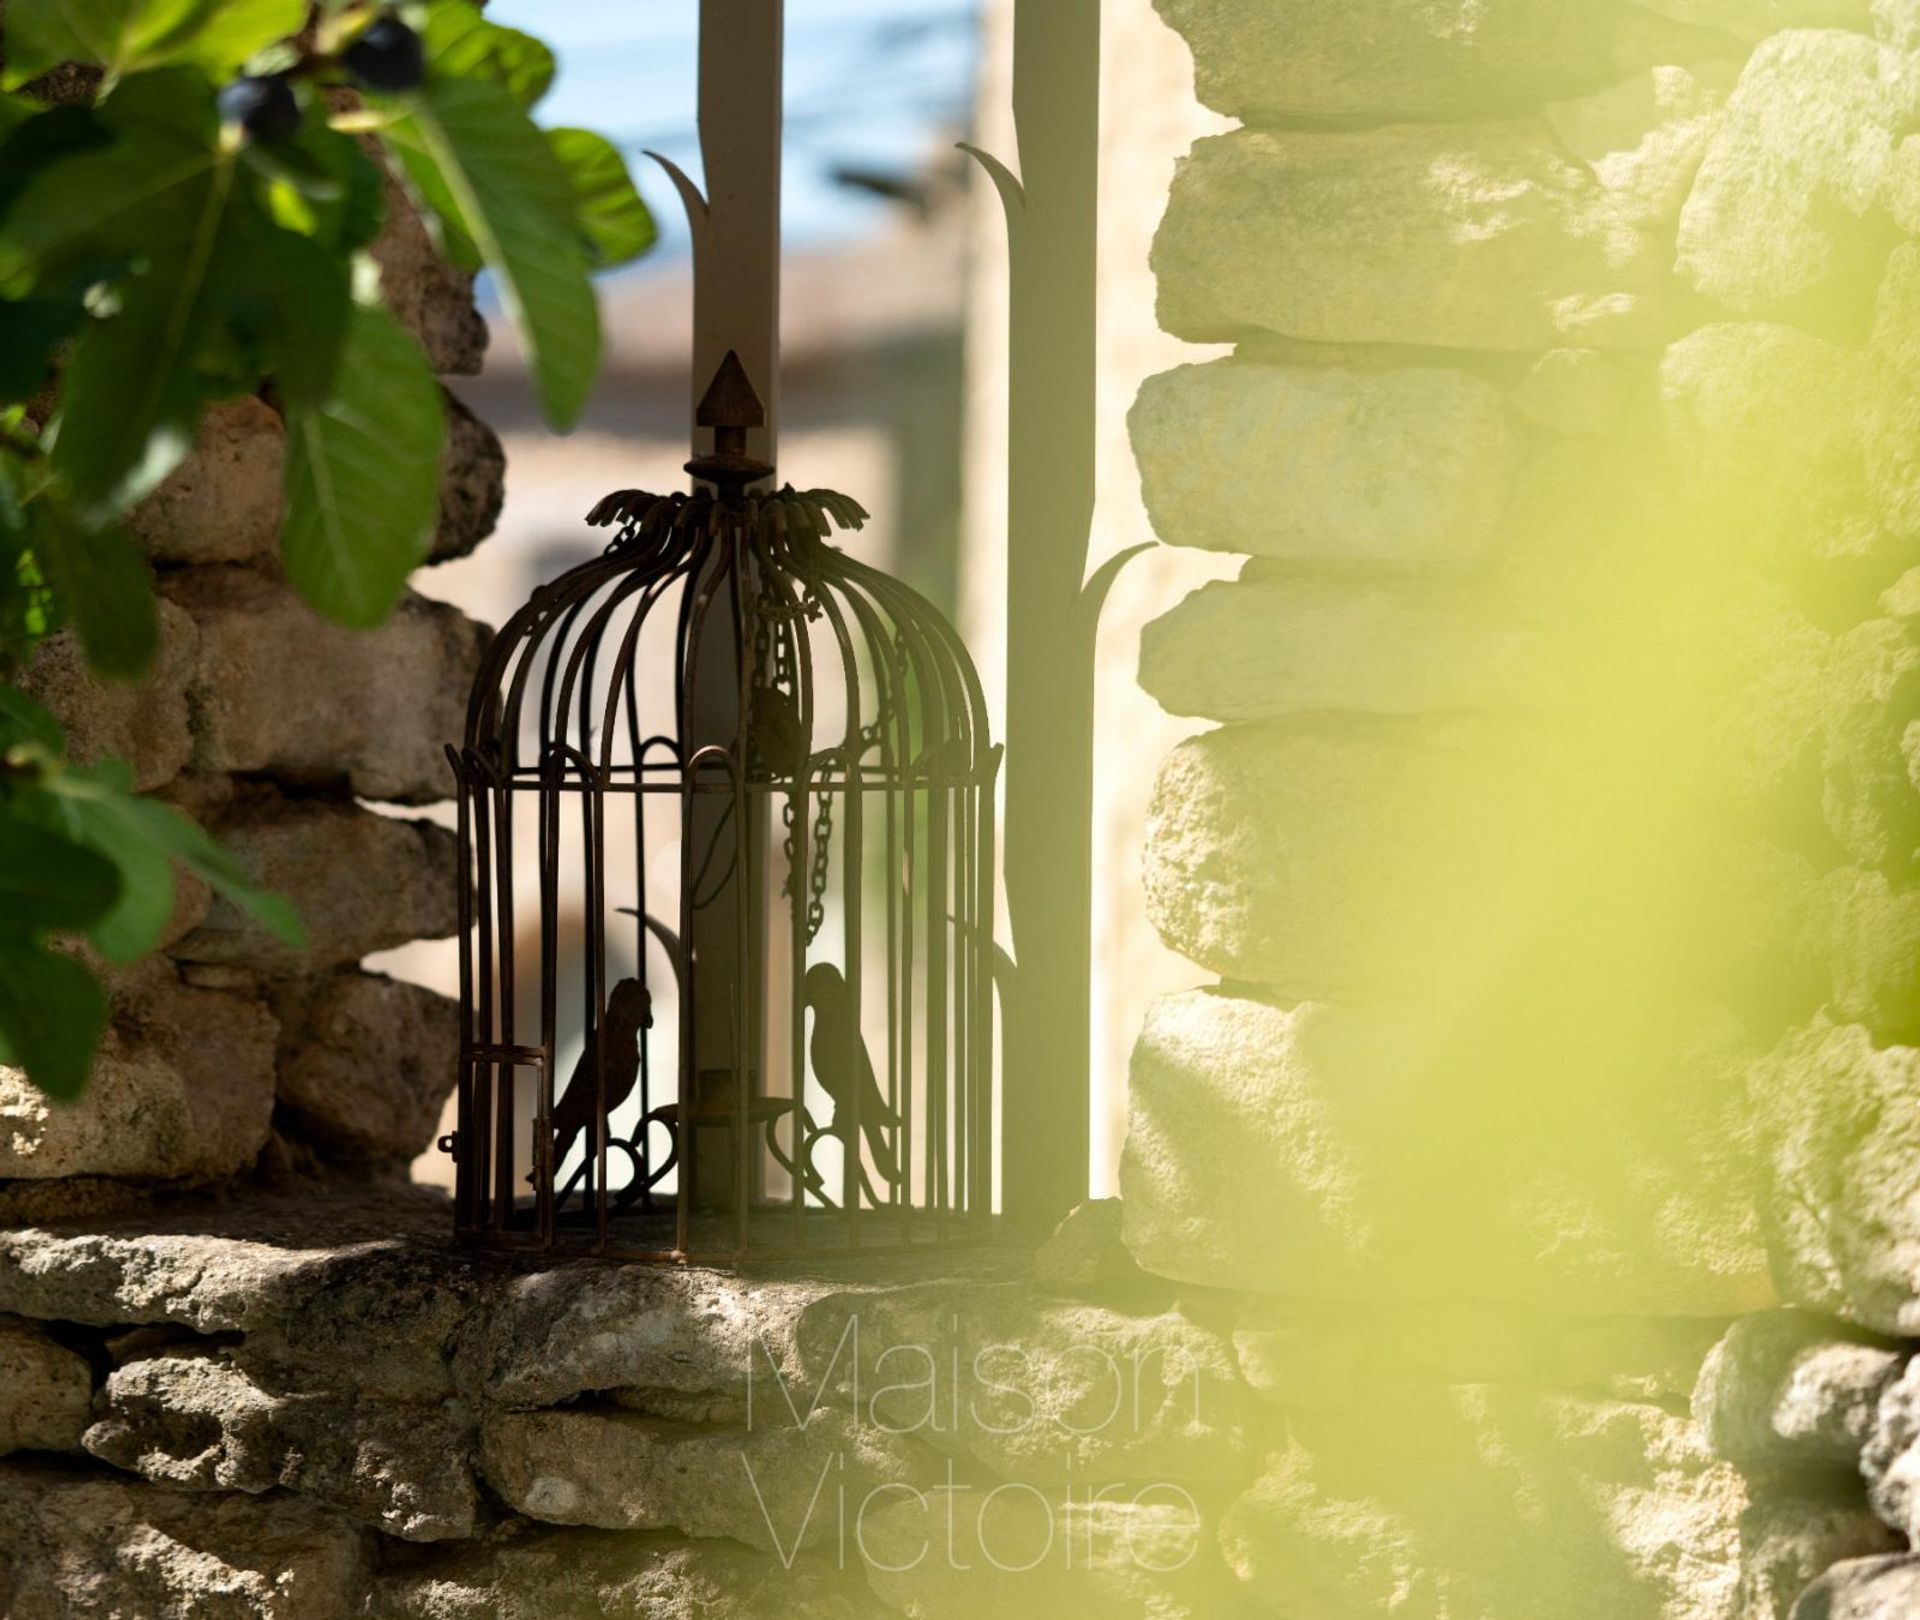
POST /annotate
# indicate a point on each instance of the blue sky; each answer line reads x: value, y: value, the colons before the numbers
x: 868, y: 82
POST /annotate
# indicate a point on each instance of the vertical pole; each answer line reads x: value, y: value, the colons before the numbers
x: 736, y: 305
x: 1050, y: 488
x: 736, y: 287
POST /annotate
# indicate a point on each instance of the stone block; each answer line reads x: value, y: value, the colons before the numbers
x: 1806, y: 150
x: 1403, y: 469
x: 1328, y: 855
x: 1030, y: 1388
x: 1883, y: 1588
x: 182, y: 1091
x: 1841, y: 1134
x: 1890, y: 1457
x: 366, y: 1063
x: 1084, y: 1257
x: 1264, y: 649
x: 222, y: 504
x: 1791, y: 1391
x: 1373, y: 1155
x: 472, y: 484
x: 682, y: 1343
x: 79, y: 1547
x: 277, y: 690
x: 1307, y: 1357
x: 527, y: 1572
x: 1628, y: 1515
x: 1786, y: 1543
x: 362, y: 882
x: 1645, y: 137
x: 145, y: 724
x: 428, y: 296
x: 1408, y: 61
x: 1871, y: 799
x: 1773, y: 437
x: 1144, y: 1553
x: 46, y: 1390
x: 194, y: 1420
x: 1471, y: 236
x: 777, y: 1489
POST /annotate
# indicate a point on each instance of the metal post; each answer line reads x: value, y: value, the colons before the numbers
x: 1052, y: 608
x: 736, y: 306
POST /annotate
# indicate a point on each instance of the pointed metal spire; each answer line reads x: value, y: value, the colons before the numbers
x: 730, y: 407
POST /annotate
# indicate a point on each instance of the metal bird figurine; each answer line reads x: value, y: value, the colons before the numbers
x: 629, y: 1010
x: 840, y: 1062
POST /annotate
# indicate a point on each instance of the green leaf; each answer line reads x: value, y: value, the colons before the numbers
x: 49, y: 882
x: 31, y: 329
x: 477, y: 157
x: 293, y: 298
x: 52, y: 1014
x: 104, y: 589
x: 615, y: 225
x: 142, y: 838
x: 462, y: 44
x: 363, y: 476
x: 24, y: 722
x: 125, y: 36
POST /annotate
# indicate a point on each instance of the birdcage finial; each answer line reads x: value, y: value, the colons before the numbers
x: 730, y: 407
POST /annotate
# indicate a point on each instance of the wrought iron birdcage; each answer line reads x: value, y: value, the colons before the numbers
x: 726, y: 807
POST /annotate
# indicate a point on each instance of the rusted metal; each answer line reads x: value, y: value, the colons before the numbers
x: 836, y: 1088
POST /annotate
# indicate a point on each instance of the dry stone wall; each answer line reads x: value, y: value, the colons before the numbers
x: 1549, y: 1135
x: 230, y: 1053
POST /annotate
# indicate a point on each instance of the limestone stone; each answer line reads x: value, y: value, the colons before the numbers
x: 682, y: 1342
x: 1476, y: 236
x: 1420, y: 1502
x: 1842, y: 1201
x: 366, y: 1063
x: 1869, y: 933
x: 1262, y: 649
x: 362, y: 882
x: 1031, y: 1388
x: 472, y: 484
x: 145, y: 724
x: 777, y: 1489
x: 1769, y: 429
x: 1806, y: 149
x: 1368, y: 1154
x: 1085, y: 1258
x: 1787, y: 1542
x: 278, y: 690
x: 182, y: 1091
x: 1883, y: 1588
x: 46, y: 1390
x: 1890, y: 1459
x: 1871, y: 802
x: 1645, y: 137
x: 1140, y: 1553
x: 1343, y: 469
x: 1784, y: 1389
x: 428, y: 296
x: 1895, y: 339
x: 1408, y: 60
x: 222, y: 503
x: 1327, y: 855
x: 82, y: 1547
x: 193, y: 1419
x: 535, y: 1573
x: 1304, y: 1356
